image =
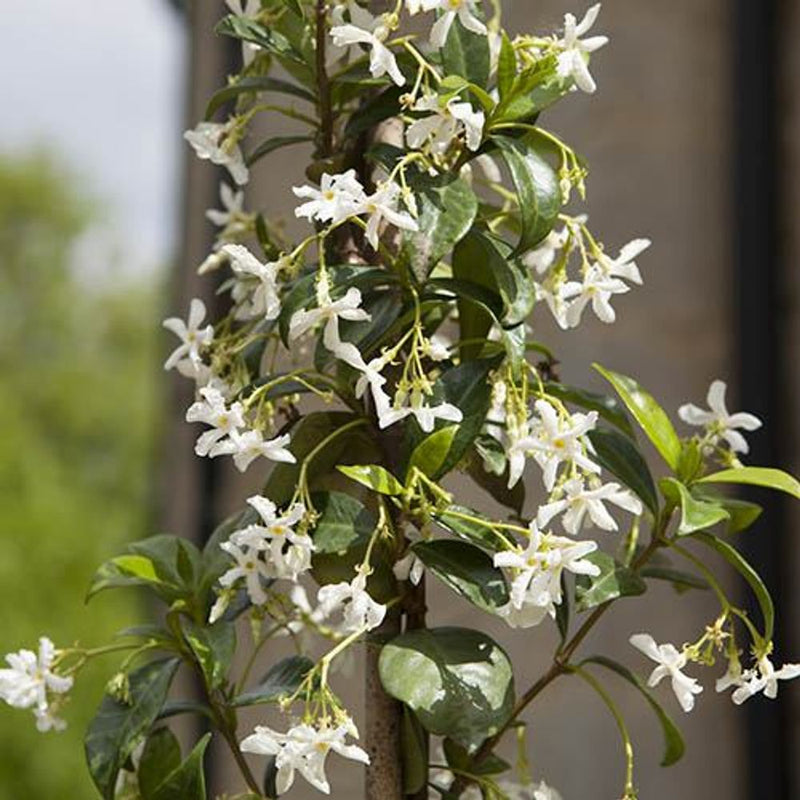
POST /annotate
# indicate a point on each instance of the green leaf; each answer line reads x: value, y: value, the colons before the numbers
x: 468, y: 530
x: 743, y: 567
x: 614, y: 580
x: 619, y: 456
x: 272, y: 144
x: 374, y: 477
x: 282, y: 680
x: 467, y: 570
x: 467, y: 55
x: 413, y: 744
x: 458, y: 757
x: 374, y: 111
x: 123, y: 571
x: 506, y: 67
x: 187, y: 780
x: 248, y: 30
x: 343, y: 522
x: 213, y: 646
x: 696, y: 515
x: 430, y: 455
x: 648, y: 413
x: 161, y: 755
x: 537, y: 188
x: 496, y: 485
x: 447, y: 209
x: 563, y: 610
x: 674, y: 746
x: 609, y: 408
x: 533, y: 90
x: 757, y: 476
x: 741, y: 512
x: 459, y: 682
x: 117, y: 728
x: 680, y: 580
x: 255, y: 83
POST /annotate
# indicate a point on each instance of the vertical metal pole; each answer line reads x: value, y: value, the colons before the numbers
x: 759, y: 344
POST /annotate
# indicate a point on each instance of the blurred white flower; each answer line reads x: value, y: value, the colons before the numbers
x: 193, y: 337
x: 574, y: 50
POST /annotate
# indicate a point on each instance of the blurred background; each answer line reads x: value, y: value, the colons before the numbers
x: 693, y: 139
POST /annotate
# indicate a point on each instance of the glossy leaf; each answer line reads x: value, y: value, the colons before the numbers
x: 696, y: 515
x: 621, y: 458
x: 282, y: 680
x: 188, y: 779
x: 743, y: 567
x: 467, y: 570
x: 161, y: 755
x: 537, y: 188
x: 506, y: 67
x: 467, y: 55
x: 453, y: 520
x: 459, y: 682
x: 413, y: 743
x: 648, y: 413
x: 343, y: 522
x: 374, y: 477
x: 447, y: 209
x: 757, y: 476
x: 674, y: 746
x: 431, y: 454
x: 213, y: 646
x: 614, y: 580
x: 533, y: 90
x: 271, y: 40
x: 118, y: 728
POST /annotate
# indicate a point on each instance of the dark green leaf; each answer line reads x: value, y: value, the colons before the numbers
x: 757, y: 476
x: 161, y: 755
x: 467, y: 55
x: 213, y: 647
x: 537, y: 188
x: 619, y: 456
x: 117, y: 728
x: 343, y: 522
x: 648, y: 413
x: 374, y: 111
x: 614, y: 581
x: 609, y: 408
x: 282, y: 680
x: 188, y: 780
x: 562, y: 610
x: 674, y: 746
x: 743, y: 567
x: 471, y: 531
x: 413, y: 743
x: 506, y: 67
x: 497, y: 485
x: 459, y: 682
x: 467, y: 570
x: 271, y: 40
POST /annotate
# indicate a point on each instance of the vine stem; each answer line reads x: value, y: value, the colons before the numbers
x: 324, y: 104
x: 560, y: 665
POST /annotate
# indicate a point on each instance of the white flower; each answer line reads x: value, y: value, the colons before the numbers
x: 250, y: 10
x: 193, y: 338
x: 213, y: 411
x: 538, y: 791
x: 572, y: 58
x: 261, y: 301
x: 29, y: 681
x: 409, y: 568
x: 304, y: 749
x: 289, y: 551
x: 359, y: 610
x: 596, y: 288
x: 554, y: 439
x: 248, y: 446
x: 762, y: 679
x: 555, y: 291
x: 624, y: 266
x: 373, y: 32
x: 718, y: 422
x: 330, y: 312
x: 463, y: 9
x: 232, y: 207
x: 579, y: 500
x: 382, y: 205
x: 339, y: 197
x: 542, y: 257
x: 537, y: 570
x: 444, y: 124
x: 670, y: 663
x: 418, y: 408
x: 217, y: 142
x: 250, y: 568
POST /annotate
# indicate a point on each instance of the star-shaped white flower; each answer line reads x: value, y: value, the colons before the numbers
x: 373, y: 32
x: 250, y: 568
x: 464, y: 10
x: 574, y: 50
x: 624, y: 265
x: 29, y: 681
x: 214, y: 411
x: 193, y: 337
x: 596, y: 288
x: 339, y: 197
x: 383, y: 205
x: 248, y: 446
x: 419, y: 408
x: 256, y: 294
x: 670, y: 663
x: 232, y: 207
x: 556, y: 292
x: 579, y: 501
x: 719, y: 423
x: 542, y: 257
x: 212, y: 141
x: 444, y: 124
x: 359, y: 610
x: 764, y: 678
x: 329, y: 312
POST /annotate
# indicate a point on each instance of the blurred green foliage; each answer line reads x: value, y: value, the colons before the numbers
x: 78, y: 370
